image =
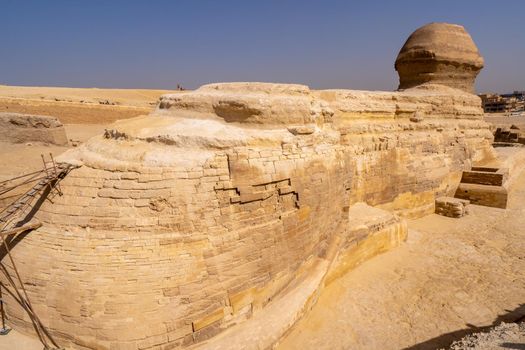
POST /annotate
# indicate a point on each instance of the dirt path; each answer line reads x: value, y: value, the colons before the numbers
x: 450, y: 278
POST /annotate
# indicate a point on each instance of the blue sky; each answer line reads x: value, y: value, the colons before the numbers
x: 324, y: 44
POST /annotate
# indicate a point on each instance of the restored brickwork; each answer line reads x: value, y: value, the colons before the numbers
x: 485, y: 186
x: 451, y: 207
x: 487, y: 195
x: 20, y: 128
x: 143, y: 251
x: 185, y: 222
x: 485, y: 176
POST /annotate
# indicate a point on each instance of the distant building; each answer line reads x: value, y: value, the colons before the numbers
x: 506, y: 103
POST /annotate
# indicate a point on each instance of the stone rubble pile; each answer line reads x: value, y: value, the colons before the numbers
x: 451, y: 207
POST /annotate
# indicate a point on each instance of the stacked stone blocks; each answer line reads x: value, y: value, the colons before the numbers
x: 451, y: 207
x: 484, y: 186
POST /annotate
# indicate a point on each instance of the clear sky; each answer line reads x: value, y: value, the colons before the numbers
x: 324, y: 44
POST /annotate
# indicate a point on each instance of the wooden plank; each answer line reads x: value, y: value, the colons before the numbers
x: 31, y: 225
x: 49, y: 180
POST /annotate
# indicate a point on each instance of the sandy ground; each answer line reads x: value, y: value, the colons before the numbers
x: 452, y: 277
x: 79, y: 106
x: 503, y: 336
x: 18, y: 341
x: 128, y: 97
x: 18, y: 159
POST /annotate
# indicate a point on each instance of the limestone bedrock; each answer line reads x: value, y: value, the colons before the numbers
x: 439, y: 53
x: 20, y: 128
x: 190, y: 220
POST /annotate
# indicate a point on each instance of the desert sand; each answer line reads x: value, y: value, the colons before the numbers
x: 83, y: 111
x: 79, y: 105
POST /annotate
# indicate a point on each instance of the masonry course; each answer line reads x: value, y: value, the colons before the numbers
x: 187, y: 222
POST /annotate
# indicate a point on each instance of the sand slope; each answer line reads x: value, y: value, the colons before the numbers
x: 79, y: 105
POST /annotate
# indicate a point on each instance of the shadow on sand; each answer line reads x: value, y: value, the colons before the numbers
x: 446, y: 339
x: 12, y: 241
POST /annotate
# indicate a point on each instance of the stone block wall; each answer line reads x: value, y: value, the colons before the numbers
x: 182, y: 223
x: 511, y: 135
x: 487, y: 195
x: 488, y: 186
x: 185, y: 252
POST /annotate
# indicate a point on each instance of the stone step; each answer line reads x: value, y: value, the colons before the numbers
x: 485, y: 177
x: 487, y: 195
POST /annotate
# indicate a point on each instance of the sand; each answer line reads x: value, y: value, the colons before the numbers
x: 451, y: 278
x: 18, y: 159
x: 79, y: 105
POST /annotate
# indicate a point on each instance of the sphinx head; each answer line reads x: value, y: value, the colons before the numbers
x: 439, y: 53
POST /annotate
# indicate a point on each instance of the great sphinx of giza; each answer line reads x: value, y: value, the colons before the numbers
x: 215, y: 221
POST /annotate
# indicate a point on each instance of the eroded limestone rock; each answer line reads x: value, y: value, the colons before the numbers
x: 20, y: 128
x: 440, y: 53
x: 202, y: 214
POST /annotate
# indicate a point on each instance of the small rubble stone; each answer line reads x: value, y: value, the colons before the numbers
x: 451, y: 207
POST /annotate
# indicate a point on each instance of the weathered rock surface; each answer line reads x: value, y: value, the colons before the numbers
x: 195, y: 218
x: 189, y: 221
x: 20, y: 128
x: 451, y: 207
x: 440, y: 53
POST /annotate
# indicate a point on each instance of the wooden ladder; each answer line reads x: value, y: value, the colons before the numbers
x: 52, y: 176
